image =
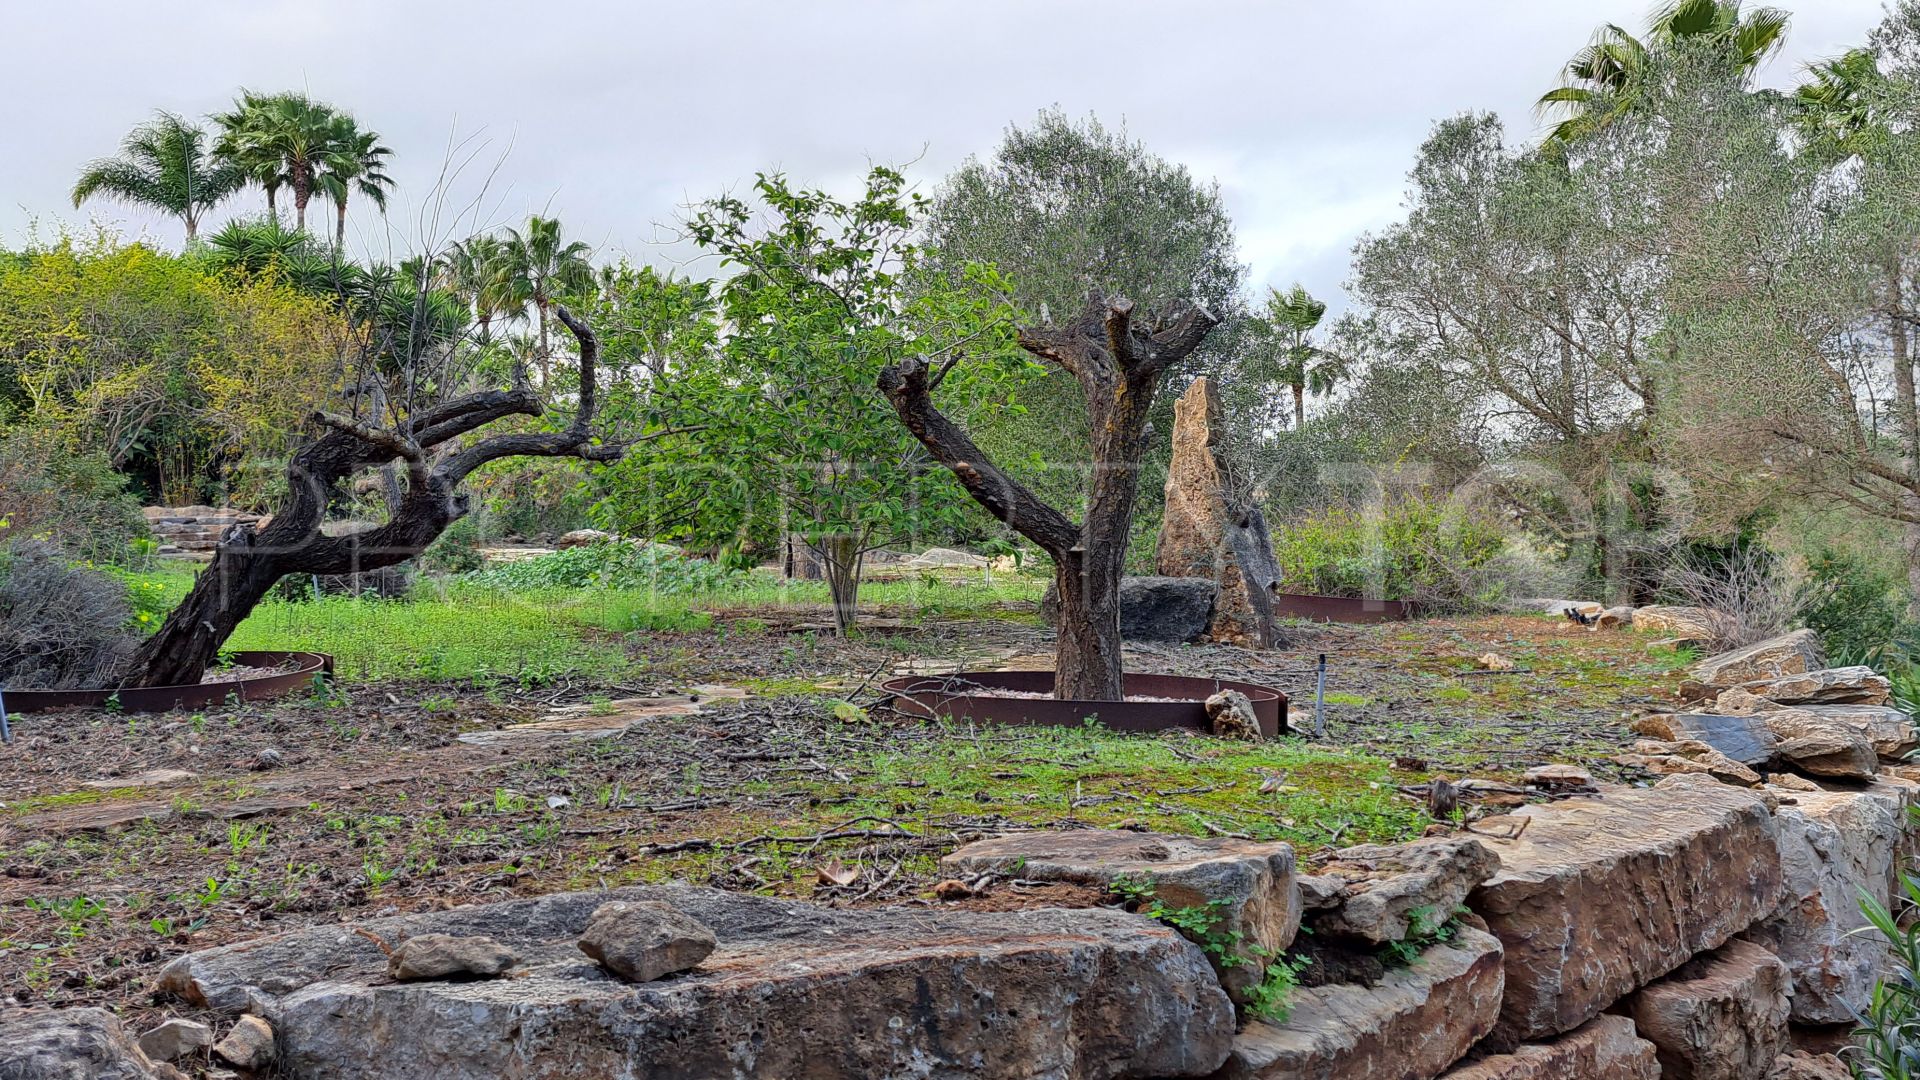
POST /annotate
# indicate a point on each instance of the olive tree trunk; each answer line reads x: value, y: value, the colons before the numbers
x: 1119, y: 366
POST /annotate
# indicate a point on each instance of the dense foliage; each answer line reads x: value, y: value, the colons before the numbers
x: 612, y: 565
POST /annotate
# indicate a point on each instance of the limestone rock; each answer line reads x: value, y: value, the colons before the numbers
x: 1386, y: 886
x: 1614, y: 617
x: 1738, y: 702
x: 644, y: 940
x: 793, y: 990
x: 1600, y: 896
x: 1822, y: 746
x: 1721, y: 1016
x: 1833, y: 846
x: 175, y: 1039
x: 1167, y: 609
x: 249, y: 1045
x: 1826, y: 686
x: 1212, y: 530
x: 1555, y: 777
x: 1605, y: 1048
x: 1789, y: 654
x: 582, y: 538
x: 1417, y: 1021
x: 1889, y: 730
x: 1689, y: 758
x: 70, y: 1044
x: 1254, y: 880
x: 1745, y: 739
x: 443, y: 956
x: 941, y: 558
x: 1800, y: 1065
x: 1230, y: 713
x: 1687, y: 622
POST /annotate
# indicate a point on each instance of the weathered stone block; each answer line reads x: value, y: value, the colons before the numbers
x: 1788, y: 654
x: 1605, y: 1048
x: 1253, y: 881
x: 1385, y: 886
x: 1745, y: 739
x: 1825, y: 686
x: 793, y: 990
x: 1721, y: 1016
x: 1600, y: 896
x: 1833, y: 846
x: 1889, y: 730
x: 1167, y: 609
x: 1415, y: 1023
x: 1821, y: 746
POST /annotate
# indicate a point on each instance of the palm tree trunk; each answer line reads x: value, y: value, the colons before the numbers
x: 193, y: 225
x: 340, y: 228
x: 1299, y: 406
x: 273, y: 207
x: 540, y: 308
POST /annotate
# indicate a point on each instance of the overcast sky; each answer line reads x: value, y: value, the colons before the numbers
x: 614, y: 115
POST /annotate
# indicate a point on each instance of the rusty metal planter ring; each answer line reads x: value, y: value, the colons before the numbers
x: 1342, y: 609
x: 305, y: 668
x: 968, y: 695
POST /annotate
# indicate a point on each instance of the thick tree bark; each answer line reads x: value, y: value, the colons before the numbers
x: 1119, y: 366
x: 840, y: 559
x: 248, y: 562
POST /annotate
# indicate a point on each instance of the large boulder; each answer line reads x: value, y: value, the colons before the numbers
x: 793, y: 990
x: 1410, y: 1026
x: 583, y: 538
x: 1599, y: 896
x: 1605, y: 1048
x: 1825, y: 686
x: 1834, y: 846
x: 1166, y: 609
x: 1821, y: 745
x: 1692, y: 623
x: 1213, y: 530
x: 1386, y: 887
x: 1250, y: 883
x: 947, y: 559
x: 1789, y: 654
x: 1721, y: 1016
x: 70, y: 1044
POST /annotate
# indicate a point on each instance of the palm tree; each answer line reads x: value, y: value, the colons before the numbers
x: 539, y: 266
x: 1608, y: 79
x: 1838, y: 113
x: 281, y: 140
x: 1298, y: 363
x: 355, y: 162
x: 165, y: 164
x: 471, y: 270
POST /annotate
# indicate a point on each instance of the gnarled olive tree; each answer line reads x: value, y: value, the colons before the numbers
x: 1118, y: 364
x: 428, y: 444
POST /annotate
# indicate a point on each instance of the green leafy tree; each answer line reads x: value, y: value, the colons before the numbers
x: 824, y: 294
x: 164, y: 164
x: 537, y: 265
x: 1065, y: 206
x: 1615, y: 74
x: 471, y: 270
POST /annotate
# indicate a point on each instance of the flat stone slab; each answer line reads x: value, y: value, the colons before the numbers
x: 1721, y: 1016
x: 150, y: 778
x: 1788, y: 654
x: 793, y: 990
x: 1416, y: 1022
x: 1834, y: 845
x: 1254, y: 881
x: 600, y: 721
x: 1889, y: 730
x: 1825, y: 686
x: 1599, y: 896
x: 1745, y: 739
x: 1605, y: 1048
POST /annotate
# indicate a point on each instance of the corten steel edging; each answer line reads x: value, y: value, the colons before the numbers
x: 199, y: 696
x: 947, y: 697
x: 1347, y: 609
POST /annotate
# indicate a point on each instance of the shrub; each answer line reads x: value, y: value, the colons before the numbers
x: 62, y: 626
x: 455, y: 551
x: 1747, y: 588
x: 613, y: 565
x: 1856, y: 609
x: 1428, y: 552
x: 73, y: 500
x: 1889, y: 1032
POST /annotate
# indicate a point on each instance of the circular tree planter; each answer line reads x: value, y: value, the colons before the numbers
x: 1345, y: 609
x: 292, y: 671
x: 970, y: 695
